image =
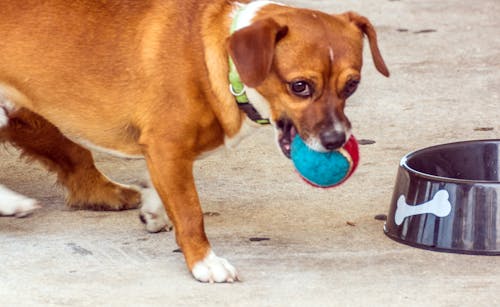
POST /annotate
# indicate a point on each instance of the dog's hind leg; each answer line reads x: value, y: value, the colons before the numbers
x: 87, y: 188
x: 12, y: 203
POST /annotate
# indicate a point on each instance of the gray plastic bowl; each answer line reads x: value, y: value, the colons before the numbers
x: 447, y: 198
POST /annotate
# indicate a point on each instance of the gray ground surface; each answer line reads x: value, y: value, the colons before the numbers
x: 445, y: 83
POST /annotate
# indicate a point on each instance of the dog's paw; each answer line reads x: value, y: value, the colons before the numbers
x: 12, y: 203
x: 214, y: 269
x: 153, y: 213
x: 104, y: 196
x: 4, y: 119
x: 128, y: 197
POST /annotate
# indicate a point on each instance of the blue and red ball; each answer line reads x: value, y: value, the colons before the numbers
x: 325, y: 169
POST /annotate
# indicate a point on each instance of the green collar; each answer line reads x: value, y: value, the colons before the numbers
x: 237, y: 88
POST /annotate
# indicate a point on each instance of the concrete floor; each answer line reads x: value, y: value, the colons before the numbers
x: 325, y: 247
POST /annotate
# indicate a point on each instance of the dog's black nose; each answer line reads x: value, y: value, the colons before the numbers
x: 332, y: 139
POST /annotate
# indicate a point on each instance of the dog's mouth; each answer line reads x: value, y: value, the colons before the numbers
x: 286, y: 134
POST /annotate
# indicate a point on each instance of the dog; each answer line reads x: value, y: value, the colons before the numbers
x: 169, y: 81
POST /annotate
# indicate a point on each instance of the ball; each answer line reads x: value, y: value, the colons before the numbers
x: 325, y: 169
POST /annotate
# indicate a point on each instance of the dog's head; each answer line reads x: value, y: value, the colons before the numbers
x: 305, y: 64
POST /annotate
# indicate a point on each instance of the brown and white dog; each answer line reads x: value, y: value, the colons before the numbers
x: 150, y: 79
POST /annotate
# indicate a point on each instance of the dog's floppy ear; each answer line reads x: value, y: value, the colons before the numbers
x: 365, y: 25
x: 252, y: 49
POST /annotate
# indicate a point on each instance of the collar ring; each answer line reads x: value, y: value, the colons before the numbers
x: 235, y: 93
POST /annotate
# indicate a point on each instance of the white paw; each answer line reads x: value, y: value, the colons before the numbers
x: 4, y: 119
x: 214, y: 269
x: 5, y: 107
x: 152, y: 212
x: 12, y: 203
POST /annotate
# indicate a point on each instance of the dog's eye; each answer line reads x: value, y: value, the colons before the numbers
x: 302, y: 89
x: 349, y: 88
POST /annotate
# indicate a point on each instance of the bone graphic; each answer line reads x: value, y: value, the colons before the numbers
x: 439, y: 206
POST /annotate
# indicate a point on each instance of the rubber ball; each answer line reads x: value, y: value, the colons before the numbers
x: 325, y: 169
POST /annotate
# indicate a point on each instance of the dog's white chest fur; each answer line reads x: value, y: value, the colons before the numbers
x: 249, y: 127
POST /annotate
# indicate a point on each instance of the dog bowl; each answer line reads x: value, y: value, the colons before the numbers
x: 447, y: 198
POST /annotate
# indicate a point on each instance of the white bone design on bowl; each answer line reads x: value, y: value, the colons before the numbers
x: 439, y: 206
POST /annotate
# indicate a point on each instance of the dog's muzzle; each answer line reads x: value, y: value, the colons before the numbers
x: 332, y: 139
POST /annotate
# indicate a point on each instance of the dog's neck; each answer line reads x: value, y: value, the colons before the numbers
x: 242, y: 18
x: 226, y: 110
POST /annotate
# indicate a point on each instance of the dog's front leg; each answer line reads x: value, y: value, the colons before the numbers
x: 174, y: 181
